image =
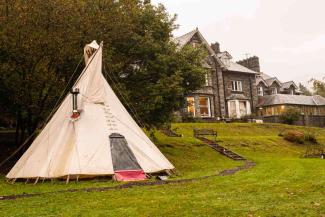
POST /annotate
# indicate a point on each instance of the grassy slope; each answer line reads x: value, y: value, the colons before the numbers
x: 282, y: 184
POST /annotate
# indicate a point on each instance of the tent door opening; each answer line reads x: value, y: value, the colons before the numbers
x: 125, y: 164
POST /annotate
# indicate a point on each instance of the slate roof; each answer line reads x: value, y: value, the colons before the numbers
x: 184, y: 39
x: 230, y: 66
x: 260, y: 79
x: 238, y: 68
x: 270, y: 81
x: 284, y: 99
x: 287, y: 84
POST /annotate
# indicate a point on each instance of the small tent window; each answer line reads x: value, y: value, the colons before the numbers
x: 236, y: 86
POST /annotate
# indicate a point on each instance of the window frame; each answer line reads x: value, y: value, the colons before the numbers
x: 275, y: 92
x: 188, y: 106
x: 260, y: 91
x: 208, y: 106
x: 236, y: 86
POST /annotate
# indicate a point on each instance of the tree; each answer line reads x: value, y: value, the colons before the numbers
x: 290, y: 116
x: 42, y: 43
x: 318, y: 87
x: 304, y: 90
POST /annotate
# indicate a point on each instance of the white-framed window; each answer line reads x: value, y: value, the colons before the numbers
x: 190, y: 106
x: 236, y: 86
x: 205, y: 106
x: 260, y: 91
x: 238, y: 108
x: 274, y: 90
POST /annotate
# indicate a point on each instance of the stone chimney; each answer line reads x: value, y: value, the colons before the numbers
x: 215, y: 47
x: 252, y: 63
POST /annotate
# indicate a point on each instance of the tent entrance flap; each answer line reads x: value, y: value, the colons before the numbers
x: 125, y: 164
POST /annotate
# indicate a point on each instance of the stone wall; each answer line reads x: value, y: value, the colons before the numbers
x: 252, y: 63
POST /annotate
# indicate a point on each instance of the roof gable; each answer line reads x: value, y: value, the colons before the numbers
x: 185, y: 39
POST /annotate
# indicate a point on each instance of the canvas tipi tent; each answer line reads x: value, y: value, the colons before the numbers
x: 91, y: 134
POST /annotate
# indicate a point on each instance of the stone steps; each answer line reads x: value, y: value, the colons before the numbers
x: 170, y: 133
x: 222, y: 150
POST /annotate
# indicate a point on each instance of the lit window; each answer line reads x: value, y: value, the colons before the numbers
x: 236, y: 86
x: 190, y: 106
x: 274, y: 90
x: 205, y: 110
x: 260, y: 91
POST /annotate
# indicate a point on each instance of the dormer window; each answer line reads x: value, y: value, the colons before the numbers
x: 274, y: 90
x: 236, y: 86
x: 260, y: 91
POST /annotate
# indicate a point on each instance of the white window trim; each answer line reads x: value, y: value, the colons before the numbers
x: 275, y: 92
x: 248, y: 107
x: 209, y: 108
x: 237, y: 86
x: 260, y: 91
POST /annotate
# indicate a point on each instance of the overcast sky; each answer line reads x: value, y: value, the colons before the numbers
x: 287, y: 35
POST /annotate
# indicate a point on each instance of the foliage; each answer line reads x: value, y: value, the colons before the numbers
x: 294, y: 136
x: 318, y: 87
x: 310, y: 137
x: 42, y: 43
x: 304, y: 90
x: 290, y: 115
x: 299, y: 137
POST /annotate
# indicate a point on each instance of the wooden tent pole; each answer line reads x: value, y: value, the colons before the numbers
x: 36, y: 181
x: 68, y: 178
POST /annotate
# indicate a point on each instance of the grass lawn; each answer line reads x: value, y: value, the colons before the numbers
x: 281, y: 183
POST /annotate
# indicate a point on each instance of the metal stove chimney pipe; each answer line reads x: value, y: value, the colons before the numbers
x: 75, y: 93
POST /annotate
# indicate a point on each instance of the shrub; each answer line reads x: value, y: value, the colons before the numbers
x: 290, y: 116
x: 310, y: 137
x: 294, y: 136
x: 298, y: 137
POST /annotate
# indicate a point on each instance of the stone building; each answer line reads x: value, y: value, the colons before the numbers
x: 238, y: 89
x: 276, y: 97
x: 230, y: 88
x: 267, y: 85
